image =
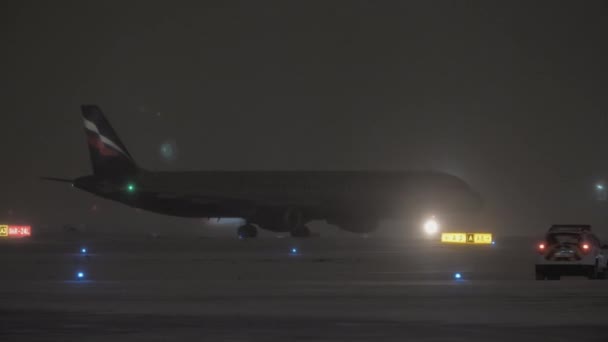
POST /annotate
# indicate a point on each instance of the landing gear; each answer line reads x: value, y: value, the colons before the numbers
x: 247, y: 231
x: 300, y: 231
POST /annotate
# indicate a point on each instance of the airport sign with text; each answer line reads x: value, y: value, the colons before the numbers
x: 14, y: 231
x: 467, y: 238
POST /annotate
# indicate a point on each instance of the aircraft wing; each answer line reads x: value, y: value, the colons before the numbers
x: 228, y: 201
x: 198, y: 199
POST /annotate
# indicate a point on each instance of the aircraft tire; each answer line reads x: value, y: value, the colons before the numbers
x: 300, y: 231
x: 247, y: 231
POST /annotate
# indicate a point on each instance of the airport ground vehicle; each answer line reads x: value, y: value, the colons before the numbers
x: 571, y: 250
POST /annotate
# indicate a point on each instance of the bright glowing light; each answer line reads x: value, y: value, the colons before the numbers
x: 15, y: 231
x: 294, y: 250
x: 431, y: 226
x: 493, y: 242
x: 586, y: 247
x: 599, y: 187
x: 541, y: 248
x: 457, y: 276
x: 80, y: 275
x: 130, y: 187
x: 168, y: 151
x: 83, y: 250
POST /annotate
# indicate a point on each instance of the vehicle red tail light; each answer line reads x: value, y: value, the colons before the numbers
x: 585, y: 247
x: 542, y: 247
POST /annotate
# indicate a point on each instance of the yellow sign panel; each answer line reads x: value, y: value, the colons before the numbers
x: 454, y: 237
x: 3, y: 230
x: 472, y: 238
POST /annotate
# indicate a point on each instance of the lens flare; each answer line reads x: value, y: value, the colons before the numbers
x: 431, y: 226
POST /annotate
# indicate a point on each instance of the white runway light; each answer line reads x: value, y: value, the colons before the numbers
x: 431, y: 226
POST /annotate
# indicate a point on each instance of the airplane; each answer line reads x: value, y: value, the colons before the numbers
x: 278, y: 201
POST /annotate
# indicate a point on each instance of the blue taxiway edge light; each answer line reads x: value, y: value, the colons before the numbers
x: 80, y: 275
x: 457, y: 276
x: 83, y: 250
x: 294, y: 250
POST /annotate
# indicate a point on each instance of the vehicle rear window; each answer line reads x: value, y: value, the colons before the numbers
x: 564, y: 238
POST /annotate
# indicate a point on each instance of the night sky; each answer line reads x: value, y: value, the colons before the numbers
x: 510, y: 96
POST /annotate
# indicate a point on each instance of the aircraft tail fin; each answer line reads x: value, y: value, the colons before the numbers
x: 109, y: 156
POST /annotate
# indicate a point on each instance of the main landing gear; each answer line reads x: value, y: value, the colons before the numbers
x: 247, y: 231
x: 300, y: 231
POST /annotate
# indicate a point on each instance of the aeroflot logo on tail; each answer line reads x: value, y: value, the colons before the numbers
x: 103, y: 144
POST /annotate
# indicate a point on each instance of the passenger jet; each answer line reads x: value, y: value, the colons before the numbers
x: 278, y: 201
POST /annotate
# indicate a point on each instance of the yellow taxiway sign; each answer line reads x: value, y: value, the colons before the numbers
x: 467, y: 238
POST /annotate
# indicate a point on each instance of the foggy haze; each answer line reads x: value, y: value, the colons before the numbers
x: 509, y: 97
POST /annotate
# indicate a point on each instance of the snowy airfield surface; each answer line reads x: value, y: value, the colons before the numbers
x: 330, y: 289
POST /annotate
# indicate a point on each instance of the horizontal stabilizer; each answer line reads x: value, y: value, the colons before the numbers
x: 55, y: 179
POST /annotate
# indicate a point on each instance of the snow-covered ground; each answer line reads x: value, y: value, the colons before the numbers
x: 138, y: 289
